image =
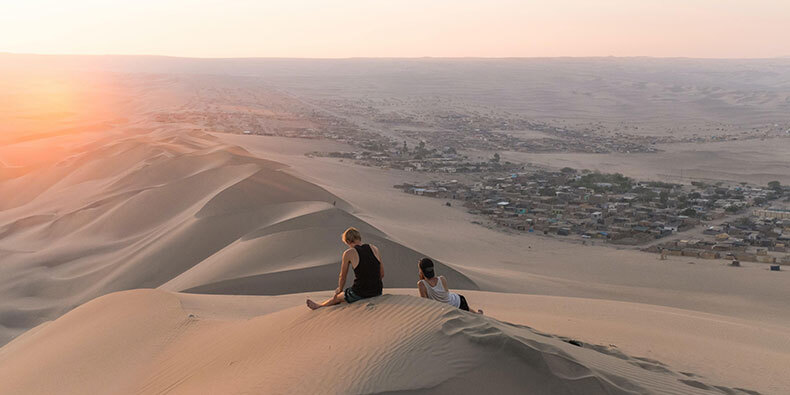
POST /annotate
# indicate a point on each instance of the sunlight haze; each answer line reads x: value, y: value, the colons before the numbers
x: 442, y: 28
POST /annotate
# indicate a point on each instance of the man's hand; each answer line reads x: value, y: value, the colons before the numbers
x: 338, y: 290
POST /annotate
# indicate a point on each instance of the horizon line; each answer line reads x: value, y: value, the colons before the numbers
x: 391, y: 57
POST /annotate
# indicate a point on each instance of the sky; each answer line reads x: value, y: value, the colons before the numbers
x: 399, y: 28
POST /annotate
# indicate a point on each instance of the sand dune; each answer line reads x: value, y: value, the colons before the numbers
x: 507, y: 262
x: 91, y: 204
x: 147, y: 341
x: 171, y: 208
x: 183, y: 211
x: 731, y: 309
x: 237, y: 268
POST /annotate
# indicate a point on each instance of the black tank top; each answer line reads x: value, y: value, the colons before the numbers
x: 367, y: 274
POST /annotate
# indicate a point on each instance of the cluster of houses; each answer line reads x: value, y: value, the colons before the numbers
x: 499, y: 140
x: 592, y: 205
x: 422, y: 159
x: 763, y: 237
x: 472, y: 130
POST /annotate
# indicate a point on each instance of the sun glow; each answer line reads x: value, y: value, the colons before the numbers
x: 53, y: 108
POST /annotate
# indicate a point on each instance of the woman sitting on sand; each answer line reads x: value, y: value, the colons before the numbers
x: 432, y: 287
x: 368, y: 272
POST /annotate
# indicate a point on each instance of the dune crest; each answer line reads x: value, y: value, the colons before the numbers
x: 171, y: 208
x: 386, y: 344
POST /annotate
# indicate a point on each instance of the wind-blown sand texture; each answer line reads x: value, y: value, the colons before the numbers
x: 149, y: 341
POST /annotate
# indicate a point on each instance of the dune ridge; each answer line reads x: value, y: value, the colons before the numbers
x: 167, y: 207
x: 160, y: 343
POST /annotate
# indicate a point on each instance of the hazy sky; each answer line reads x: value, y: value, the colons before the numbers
x: 395, y: 28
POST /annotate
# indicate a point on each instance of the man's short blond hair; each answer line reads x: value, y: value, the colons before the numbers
x: 351, y: 235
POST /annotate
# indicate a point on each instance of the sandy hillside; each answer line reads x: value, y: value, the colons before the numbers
x: 152, y: 342
x: 207, y: 211
x: 96, y: 197
x: 176, y: 209
x: 718, y: 304
x: 532, y: 264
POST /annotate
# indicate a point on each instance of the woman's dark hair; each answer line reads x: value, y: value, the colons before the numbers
x: 426, y: 265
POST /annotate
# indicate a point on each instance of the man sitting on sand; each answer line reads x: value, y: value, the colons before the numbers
x: 368, y: 272
x: 432, y: 287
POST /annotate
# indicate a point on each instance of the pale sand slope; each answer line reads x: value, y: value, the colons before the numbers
x: 177, y: 209
x: 152, y: 342
x: 754, y: 161
x: 724, y: 350
x: 538, y: 265
x: 531, y: 263
x: 171, y: 208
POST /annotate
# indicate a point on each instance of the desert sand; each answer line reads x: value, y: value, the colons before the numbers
x: 172, y: 209
x: 142, y: 257
x: 695, y: 295
x: 759, y: 161
x: 152, y: 342
x: 219, y: 219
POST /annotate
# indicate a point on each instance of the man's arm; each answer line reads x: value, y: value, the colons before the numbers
x: 344, y: 265
x: 378, y: 256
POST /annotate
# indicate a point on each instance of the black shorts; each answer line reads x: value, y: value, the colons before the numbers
x: 463, y: 305
x: 351, y: 296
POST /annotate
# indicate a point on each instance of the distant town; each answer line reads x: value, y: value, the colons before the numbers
x: 615, y: 209
x: 462, y: 148
x: 763, y: 236
x: 422, y: 159
x: 379, y: 133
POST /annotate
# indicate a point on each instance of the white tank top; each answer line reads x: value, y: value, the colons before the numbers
x: 439, y: 294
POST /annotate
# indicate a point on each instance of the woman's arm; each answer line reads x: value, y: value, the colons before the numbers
x: 423, y: 291
x: 344, y: 265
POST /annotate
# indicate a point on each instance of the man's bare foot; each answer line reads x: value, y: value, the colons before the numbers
x: 312, y: 305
